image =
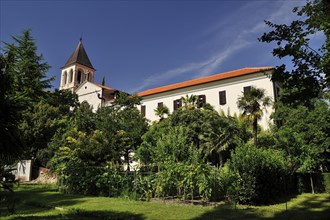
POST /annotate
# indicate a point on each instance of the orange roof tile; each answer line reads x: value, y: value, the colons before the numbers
x: 207, y: 79
x: 105, y: 87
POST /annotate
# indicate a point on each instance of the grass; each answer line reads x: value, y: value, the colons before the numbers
x: 44, y: 202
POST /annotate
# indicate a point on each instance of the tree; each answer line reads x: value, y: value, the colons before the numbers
x: 301, y: 115
x: 52, y: 112
x: 11, y: 108
x: 131, y: 126
x: 28, y: 69
x: 189, y: 102
x: 226, y: 137
x: 160, y: 111
x: 252, y: 103
x: 125, y: 100
x: 310, y: 74
x: 123, y: 125
x: 84, y: 118
x: 25, y: 75
x: 305, y: 137
x: 22, y: 84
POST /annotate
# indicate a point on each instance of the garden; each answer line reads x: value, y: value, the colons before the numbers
x: 195, y: 163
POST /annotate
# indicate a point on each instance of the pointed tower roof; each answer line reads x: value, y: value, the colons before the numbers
x: 79, y: 55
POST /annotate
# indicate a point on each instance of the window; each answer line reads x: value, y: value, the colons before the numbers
x: 71, y: 76
x: 177, y: 104
x: 201, y: 100
x: 247, y: 89
x: 160, y: 105
x: 143, y: 110
x: 222, y: 97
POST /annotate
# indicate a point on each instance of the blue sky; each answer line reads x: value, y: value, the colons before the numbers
x: 137, y: 45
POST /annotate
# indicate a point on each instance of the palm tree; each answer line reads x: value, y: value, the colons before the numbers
x: 252, y: 104
x: 160, y: 111
x: 189, y: 102
x: 226, y: 138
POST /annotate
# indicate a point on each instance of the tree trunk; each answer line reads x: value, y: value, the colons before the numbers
x: 312, y: 184
x: 255, y: 131
x: 127, y: 160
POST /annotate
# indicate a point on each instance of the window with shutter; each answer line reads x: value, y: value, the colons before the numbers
x: 177, y: 104
x: 143, y: 110
x: 160, y: 104
x: 247, y: 89
x: 201, y: 101
x: 222, y: 97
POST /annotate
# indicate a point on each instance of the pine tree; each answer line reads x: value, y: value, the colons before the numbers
x: 28, y: 69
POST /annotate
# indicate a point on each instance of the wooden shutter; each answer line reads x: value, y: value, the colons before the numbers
x: 143, y: 110
x: 222, y: 97
x: 247, y: 89
x: 201, y: 101
x: 177, y: 104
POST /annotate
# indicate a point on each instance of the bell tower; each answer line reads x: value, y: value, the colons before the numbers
x: 77, y: 69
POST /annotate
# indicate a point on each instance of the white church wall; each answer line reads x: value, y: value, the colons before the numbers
x: 233, y: 87
x: 89, y: 92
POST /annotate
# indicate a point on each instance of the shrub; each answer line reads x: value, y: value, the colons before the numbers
x: 261, y: 173
x: 326, y: 181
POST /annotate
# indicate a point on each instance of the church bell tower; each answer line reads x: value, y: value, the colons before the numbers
x: 77, y: 69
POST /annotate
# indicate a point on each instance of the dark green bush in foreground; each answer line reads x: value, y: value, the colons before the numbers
x: 262, y: 174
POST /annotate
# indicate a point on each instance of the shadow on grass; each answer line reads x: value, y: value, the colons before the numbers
x: 225, y: 212
x: 38, y: 202
x: 309, y: 207
x: 82, y: 215
x: 312, y: 207
x: 44, y: 196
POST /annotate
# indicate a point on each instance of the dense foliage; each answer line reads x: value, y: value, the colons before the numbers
x: 262, y: 173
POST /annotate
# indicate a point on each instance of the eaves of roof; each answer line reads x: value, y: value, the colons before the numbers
x: 207, y: 79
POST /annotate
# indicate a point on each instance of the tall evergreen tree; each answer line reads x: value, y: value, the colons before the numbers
x: 26, y: 76
x: 28, y: 68
x: 11, y: 106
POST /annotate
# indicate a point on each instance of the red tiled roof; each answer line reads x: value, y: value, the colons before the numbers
x: 207, y: 79
x: 105, y: 87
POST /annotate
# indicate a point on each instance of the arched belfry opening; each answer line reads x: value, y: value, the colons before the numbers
x: 79, y: 77
x: 77, y: 69
x: 64, y: 78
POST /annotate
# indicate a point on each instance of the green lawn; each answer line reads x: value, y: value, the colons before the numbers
x: 43, y: 202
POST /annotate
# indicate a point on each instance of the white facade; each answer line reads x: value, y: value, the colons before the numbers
x: 90, y: 93
x: 233, y: 87
x: 95, y: 95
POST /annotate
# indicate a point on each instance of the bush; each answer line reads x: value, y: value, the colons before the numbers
x: 326, y: 181
x: 262, y: 173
